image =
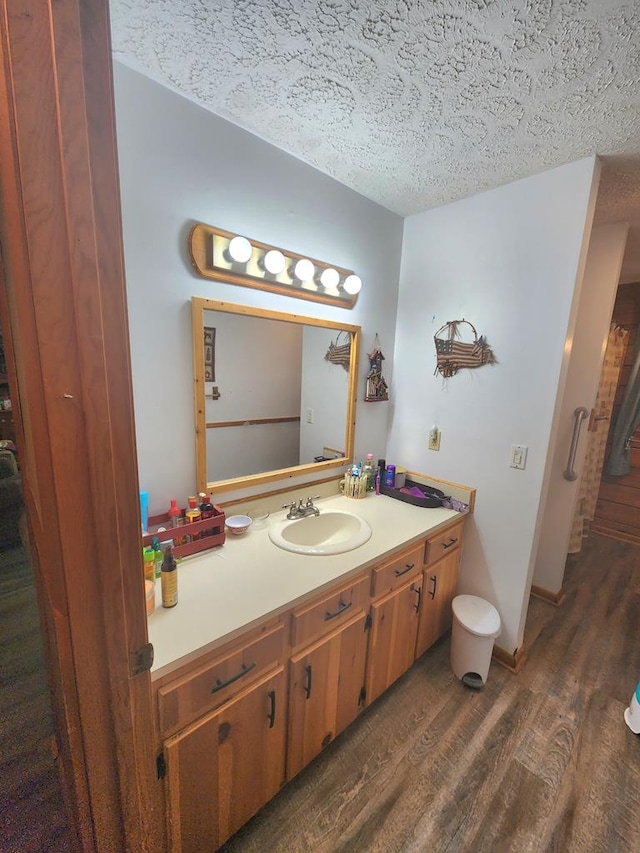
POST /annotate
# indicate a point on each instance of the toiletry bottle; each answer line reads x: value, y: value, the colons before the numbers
x: 380, y: 475
x: 369, y: 472
x: 158, y: 555
x: 149, y: 562
x: 184, y: 538
x: 175, y: 513
x: 390, y: 477
x: 194, y: 514
x: 169, y: 579
x: 206, y: 508
x: 144, y: 512
x: 177, y: 519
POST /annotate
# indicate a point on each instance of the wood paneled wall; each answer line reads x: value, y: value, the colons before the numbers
x: 618, y: 506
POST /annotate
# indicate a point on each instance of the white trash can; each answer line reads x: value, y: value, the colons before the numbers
x: 476, y: 624
x: 632, y: 713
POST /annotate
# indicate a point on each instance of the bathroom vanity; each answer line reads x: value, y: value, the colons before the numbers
x: 269, y: 655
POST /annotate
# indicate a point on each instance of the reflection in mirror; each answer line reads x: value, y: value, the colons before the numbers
x: 268, y: 401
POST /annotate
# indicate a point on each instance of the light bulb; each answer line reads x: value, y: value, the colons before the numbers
x: 240, y: 249
x: 330, y: 278
x: 304, y: 270
x: 352, y: 284
x: 274, y: 261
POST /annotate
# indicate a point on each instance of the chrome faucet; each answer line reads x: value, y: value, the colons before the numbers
x: 300, y: 509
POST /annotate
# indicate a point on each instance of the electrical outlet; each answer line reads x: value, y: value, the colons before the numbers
x: 434, y: 439
x: 309, y: 416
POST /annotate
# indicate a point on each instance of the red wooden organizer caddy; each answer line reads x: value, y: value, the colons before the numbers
x: 215, y: 524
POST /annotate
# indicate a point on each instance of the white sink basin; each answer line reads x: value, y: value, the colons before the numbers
x: 332, y: 532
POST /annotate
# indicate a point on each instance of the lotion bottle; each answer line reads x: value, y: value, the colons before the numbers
x: 169, y: 578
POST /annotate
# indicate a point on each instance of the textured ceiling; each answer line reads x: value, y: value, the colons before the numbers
x: 412, y: 104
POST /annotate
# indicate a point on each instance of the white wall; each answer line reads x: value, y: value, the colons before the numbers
x: 586, y: 353
x: 258, y: 373
x: 180, y: 164
x: 508, y: 261
x: 325, y: 391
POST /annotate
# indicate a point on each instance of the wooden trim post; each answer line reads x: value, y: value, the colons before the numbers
x: 64, y: 313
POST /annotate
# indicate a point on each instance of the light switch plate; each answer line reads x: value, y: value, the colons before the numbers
x: 518, y: 456
x: 434, y: 439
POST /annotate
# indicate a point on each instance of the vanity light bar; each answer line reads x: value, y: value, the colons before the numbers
x: 232, y: 258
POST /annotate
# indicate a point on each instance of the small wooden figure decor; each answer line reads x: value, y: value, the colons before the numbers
x: 453, y: 355
x: 340, y: 353
x: 376, y: 388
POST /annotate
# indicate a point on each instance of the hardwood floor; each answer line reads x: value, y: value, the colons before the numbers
x: 32, y: 816
x: 540, y: 761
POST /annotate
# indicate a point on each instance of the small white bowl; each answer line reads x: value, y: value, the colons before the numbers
x: 238, y: 524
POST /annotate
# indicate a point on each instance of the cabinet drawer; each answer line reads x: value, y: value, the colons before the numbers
x: 390, y: 575
x: 438, y: 546
x: 183, y: 700
x: 325, y: 613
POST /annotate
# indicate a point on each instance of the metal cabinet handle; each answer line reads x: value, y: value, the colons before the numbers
x: 243, y: 671
x: 448, y: 544
x: 579, y: 414
x: 307, y: 687
x: 434, y: 581
x: 400, y: 572
x: 272, y: 713
x: 342, y: 606
x: 418, y: 591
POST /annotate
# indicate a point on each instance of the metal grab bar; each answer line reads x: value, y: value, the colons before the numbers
x: 580, y: 414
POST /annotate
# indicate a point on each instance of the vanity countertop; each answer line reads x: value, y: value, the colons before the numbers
x: 230, y: 588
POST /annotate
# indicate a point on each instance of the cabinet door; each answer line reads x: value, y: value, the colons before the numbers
x: 326, y: 682
x: 223, y: 768
x: 394, y: 628
x: 438, y: 590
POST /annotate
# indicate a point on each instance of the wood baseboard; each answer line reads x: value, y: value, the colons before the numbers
x: 554, y: 598
x: 620, y: 535
x: 512, y: 661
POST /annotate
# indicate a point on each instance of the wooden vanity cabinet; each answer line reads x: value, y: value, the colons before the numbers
x: 326, y: 684
x: 183, y: 699
x: 222, y: 769
x: 235, y: 724
x: 439, y: 584
x: 394, y: 620
x: 223, y: 730
x: 326, y: 677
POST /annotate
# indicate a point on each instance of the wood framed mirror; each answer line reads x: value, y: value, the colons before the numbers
x: 274, y: 394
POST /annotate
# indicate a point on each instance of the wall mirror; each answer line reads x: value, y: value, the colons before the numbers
x: 275, y: 394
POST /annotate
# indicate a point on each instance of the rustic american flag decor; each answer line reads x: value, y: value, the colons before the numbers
x: 454, y: 354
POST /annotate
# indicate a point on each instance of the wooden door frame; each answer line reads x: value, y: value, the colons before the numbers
x: 63, y: 304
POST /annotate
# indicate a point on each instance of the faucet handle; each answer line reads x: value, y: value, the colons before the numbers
x: 310, y: 500
x: 294, y: 509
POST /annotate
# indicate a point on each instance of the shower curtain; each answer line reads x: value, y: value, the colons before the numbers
x: 597, y: 437
x: 619, y: 462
